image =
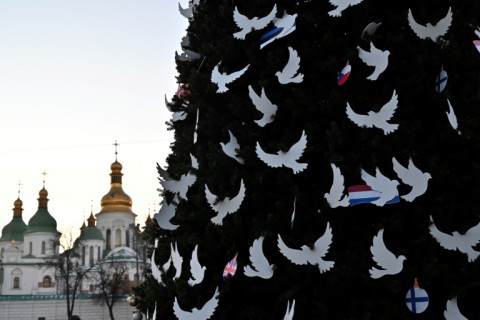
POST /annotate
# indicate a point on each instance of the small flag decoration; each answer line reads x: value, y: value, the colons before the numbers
x: 441, y: 81
x: 364, y: 194
x: 230, y: 268
x: 477, y: 44
x: 344, y: 74
x: 269, y: 36
x: 417, y: 298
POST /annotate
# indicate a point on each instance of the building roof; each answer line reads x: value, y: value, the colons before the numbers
x: 116, y: 200
x: 42, y: 221
x: 14, y: 229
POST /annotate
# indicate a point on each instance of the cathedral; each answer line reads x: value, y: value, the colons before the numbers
x: 27, y: 248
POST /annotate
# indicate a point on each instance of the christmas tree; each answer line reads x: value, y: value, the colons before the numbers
x: 340, y: 141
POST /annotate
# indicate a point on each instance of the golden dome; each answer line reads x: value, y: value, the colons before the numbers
x: 116, y: 200
x: 17, y: 210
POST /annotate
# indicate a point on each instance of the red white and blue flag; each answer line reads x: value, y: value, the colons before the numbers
x: 230, y: 268
x: 477, y: 44
x: 344, y: 74
x: 365, y: 194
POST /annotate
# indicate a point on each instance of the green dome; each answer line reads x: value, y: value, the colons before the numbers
x: 91, y: 233
x: 14, y: 230
x: 42, y: 221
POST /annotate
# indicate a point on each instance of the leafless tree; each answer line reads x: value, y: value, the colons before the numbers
x: 113, y: 283
x: 69, y: 272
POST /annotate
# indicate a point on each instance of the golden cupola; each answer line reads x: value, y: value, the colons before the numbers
x: 116, y: 200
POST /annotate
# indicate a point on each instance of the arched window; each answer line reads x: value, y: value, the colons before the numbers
x: 92, y: 254
x: 1, y: 253
x: 109, y: 239
x: 118, y: 238
x: 127, y: 238
x: 30, y: 247
x: 16, y: 283
x: 47, y: 282
x: 84, y: 251
x: 136, y: 278
x: 43, y: 247
x: 98, y: 254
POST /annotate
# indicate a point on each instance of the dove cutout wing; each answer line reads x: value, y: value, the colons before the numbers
x: 156, y: 273
x: 374, y: 58
x: 306, y: 255
x: 180, y: 186
x: 336, y: 198
x: 287, y: 159
x: 264, y: 105
x: 225, y: 206
x: 430, y: 31
x: 231, y: 148
x: 452, y: 312
x: 205, y: 313
x: 456, y: 241
x: 247, y: 25
x: 413, y: 177
x: 452, y: 118
x: 376, y: 119
x: 166, y: 213
x: 387, y: 187
x: 290, y: 311
x: 341, y: 5
x: 260, y: 266
x: 290, y: 73
x: 196, y: 269
x: 188, y: 11
x: 177, y: 260
x: 386, y: 260
x: 222, y: 79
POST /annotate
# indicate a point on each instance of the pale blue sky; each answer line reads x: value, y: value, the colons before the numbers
x: 75, y: 76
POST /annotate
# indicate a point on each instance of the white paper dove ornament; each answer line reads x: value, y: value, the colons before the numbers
x: 264, y: 105
x: 452, y: 312
x: 290, y: 311
x: 231, y: 148
x: 177, y: 260
x: 387, y: 187
x: 307, y: 255
x: 222, y: 79
x: 341, y: 5
x: 196, y: 269
x: 166, y: 213
x: 385, y: 259
x: 430, y: 31
x: 336, y: 198
x: 287, y: 159
x: 452, y: 118
x: 188, y: 11
x: 260, y: 267
x: 180, y: 186
x: 377, y: 119
x: 290, y: 73
x: 156, y: 273
x: 225, y: 206
x: 413, y: 177
x: 456, y: 241
x: 374, y: 58
x: 247, y: 25
x: 205, y: 313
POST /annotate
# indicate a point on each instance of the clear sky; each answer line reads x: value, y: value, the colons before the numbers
x: 76, y: 76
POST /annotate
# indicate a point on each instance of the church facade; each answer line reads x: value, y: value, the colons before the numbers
x: 27, y: 249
